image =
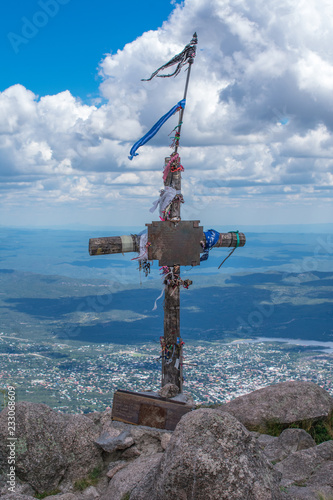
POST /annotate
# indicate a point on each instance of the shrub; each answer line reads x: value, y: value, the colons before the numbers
x: 320, y: 431
x: 90, y: 480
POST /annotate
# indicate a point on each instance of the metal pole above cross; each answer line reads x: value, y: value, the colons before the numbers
x: 171, y: 241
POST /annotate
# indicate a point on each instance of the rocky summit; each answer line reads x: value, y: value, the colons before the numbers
x: 274, y: 443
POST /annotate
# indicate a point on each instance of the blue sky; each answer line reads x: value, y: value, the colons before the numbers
x: 65, y: 53
x: 257, y: 139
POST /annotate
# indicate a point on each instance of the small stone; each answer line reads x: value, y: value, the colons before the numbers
x: 296, y: 439
x: 110, y: 432
x: 125, y: 443
x: 185, y: 397
x: 117, y: 466
x: 110, y: 443
x: 168, y: 391
x: 165, y: 440
x: 265, y: 440
x: 91, y: 492
x: 131, y: 452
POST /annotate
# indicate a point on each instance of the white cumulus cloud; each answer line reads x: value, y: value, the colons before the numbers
x: 257, y: 126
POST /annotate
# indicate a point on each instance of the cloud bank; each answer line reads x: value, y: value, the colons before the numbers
x: 257, y: 134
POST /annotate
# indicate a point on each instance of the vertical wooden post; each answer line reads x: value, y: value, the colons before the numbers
x: 172, y: 367
x: 172, y: 372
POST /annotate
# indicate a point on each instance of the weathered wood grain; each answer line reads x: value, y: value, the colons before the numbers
x: 171, y: 369
x: 230, y: 240
x: 113, y: 244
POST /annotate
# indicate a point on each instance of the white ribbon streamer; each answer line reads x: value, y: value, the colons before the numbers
x: 166, y: 197
x: 158, y: 298
x: 143, y: 254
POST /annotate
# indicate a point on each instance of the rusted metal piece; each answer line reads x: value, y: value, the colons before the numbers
x: 175, y: 243
x: 140, y: 409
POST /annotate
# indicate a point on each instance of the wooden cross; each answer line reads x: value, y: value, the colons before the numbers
x: 173, y: 243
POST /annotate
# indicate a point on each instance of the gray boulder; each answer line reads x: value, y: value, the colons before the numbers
x: 284, y: 403
x: 210, y: 456
x: 322, y: 476
x: 148, y: 439
x: 51, y: 447
x: 144, y: 440
x: 100, y: 418
x: 309, y: 493
x: 21, y: 488
x: 110, y: 441
x: 308, y: 473
x: 127, y: 478
x: 289, y: 441
x: 303, y: 466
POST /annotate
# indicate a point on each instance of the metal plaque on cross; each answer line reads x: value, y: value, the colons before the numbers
x: 175, y: 243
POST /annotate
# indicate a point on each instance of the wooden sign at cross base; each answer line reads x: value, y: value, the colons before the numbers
x: 152, y: 411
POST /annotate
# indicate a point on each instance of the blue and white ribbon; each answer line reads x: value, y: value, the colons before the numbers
x: 155, y: 128
x: 212, y: 237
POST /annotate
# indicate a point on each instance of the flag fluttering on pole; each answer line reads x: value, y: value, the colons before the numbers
x: 155, y: 128
x: 188, y: 53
